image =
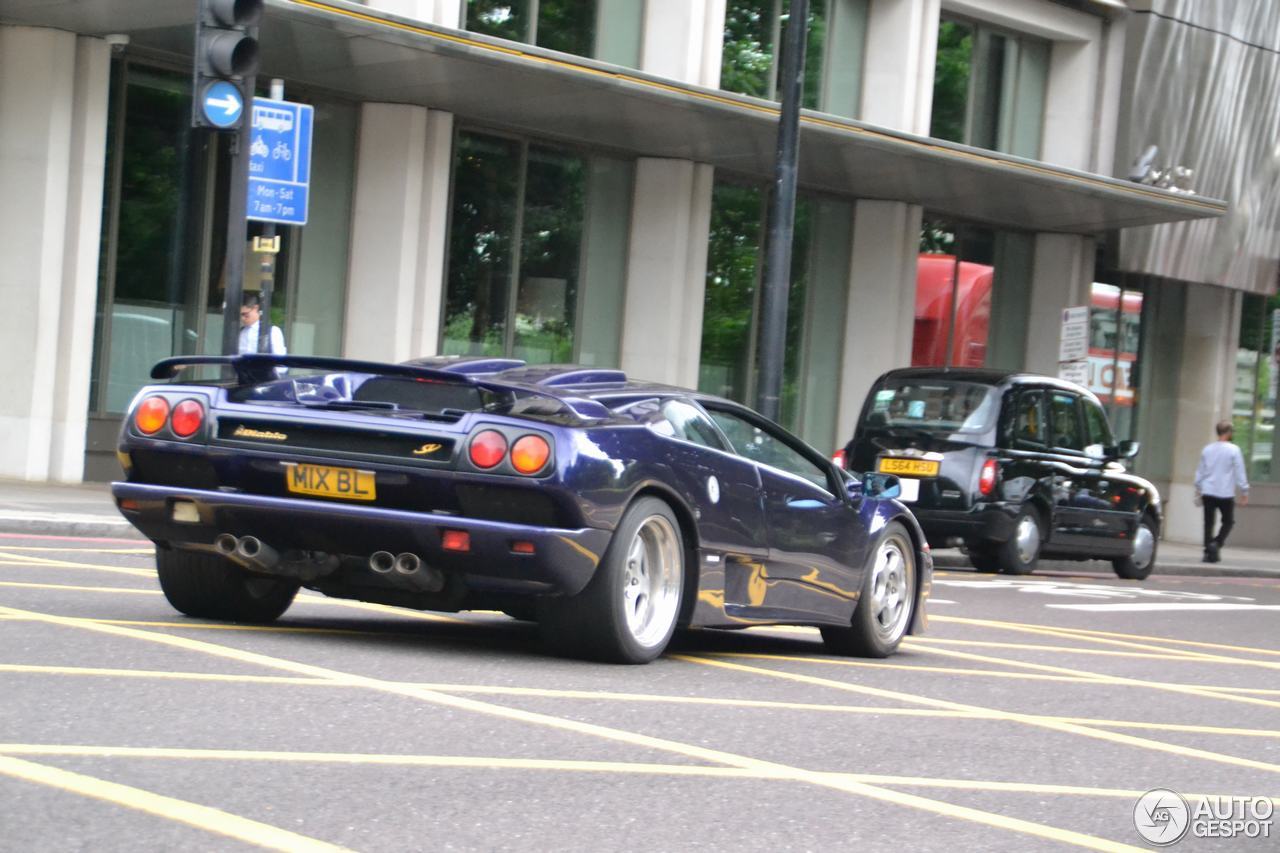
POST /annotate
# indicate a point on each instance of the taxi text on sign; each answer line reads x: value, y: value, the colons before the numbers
x: 279, y: 161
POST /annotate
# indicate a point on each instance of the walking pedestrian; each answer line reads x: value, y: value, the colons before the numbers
x: 1218, y: 476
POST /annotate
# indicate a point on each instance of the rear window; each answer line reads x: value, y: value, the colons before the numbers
x: 932, y: 404
x: 396, y: 395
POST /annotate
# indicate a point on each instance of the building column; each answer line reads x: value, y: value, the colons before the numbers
x: 671, y: 208
x: 684, y: 40
x: 52, y: 150
x: 666, y: 271
x: 445, y: 13
x: 1206, y: 388
x: 1063, y: 272
x: 880, y: 317
x: 901, y: 48
x: 398, y: 232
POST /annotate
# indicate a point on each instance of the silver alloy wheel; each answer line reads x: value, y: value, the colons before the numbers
x: 651, y: 581
x: 1144, y: 547
x: 891, y: 589
x: 1027, y: 539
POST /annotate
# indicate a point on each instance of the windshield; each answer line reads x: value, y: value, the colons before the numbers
x: 941, y: 405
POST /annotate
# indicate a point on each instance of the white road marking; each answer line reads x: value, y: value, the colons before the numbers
x: 1083, y: 590
x: 1162, y: 605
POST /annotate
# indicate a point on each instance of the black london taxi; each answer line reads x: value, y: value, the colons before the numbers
x: 1012, y: 466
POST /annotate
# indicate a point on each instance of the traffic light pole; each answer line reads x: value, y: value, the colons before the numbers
x: 782, y: 215
x: 237, y: 201
x: 269, y: 246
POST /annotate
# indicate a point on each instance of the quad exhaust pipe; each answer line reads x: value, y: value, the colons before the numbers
x: 249, y: 551
x: 252, y: 553
x: 406, y: 570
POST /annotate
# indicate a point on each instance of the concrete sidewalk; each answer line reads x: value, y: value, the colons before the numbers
x: 87, y: 510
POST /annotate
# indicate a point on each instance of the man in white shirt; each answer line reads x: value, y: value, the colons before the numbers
x: 250, y: 314
x: 1219, y: 474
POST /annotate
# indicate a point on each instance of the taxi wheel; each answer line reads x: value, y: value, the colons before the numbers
x: 1019, y: 554
x: 886, y: 602
x: 628, y: 611
x: 1138, y: 565
x: 209, y: 586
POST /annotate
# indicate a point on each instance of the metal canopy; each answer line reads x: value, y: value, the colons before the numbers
x: 351, y: 50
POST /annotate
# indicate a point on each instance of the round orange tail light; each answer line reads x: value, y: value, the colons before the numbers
x: 151, y: 415
x: 188, y: 417
x: 529, y: 454
x: 488, y: 448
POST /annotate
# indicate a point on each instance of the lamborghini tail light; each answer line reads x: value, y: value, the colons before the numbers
x: 488, y: 448
x: 151, y: 415
x: 529, y: 454
x: 188, y: 417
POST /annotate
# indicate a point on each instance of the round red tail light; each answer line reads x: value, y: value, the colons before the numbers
x: 188, y: 417
x: 987, y: 479
x: 488, y: 448
x: 529, y: 454
x: 151, y: 415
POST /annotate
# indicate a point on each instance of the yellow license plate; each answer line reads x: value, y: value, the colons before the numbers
x: 328, y: 482
x: 910, y: 467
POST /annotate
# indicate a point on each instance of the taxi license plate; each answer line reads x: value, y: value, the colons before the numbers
x: 913, y: 467
x: 329, y: 482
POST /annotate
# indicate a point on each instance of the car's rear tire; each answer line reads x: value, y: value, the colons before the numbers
x: 628, y: 611
x: 209, y: 586
x: 1138, y: 565
x: 886, y: 603
x: 1019, y: 554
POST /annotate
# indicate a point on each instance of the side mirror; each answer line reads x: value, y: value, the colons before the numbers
x: 1127, y: 449
x: 880, y: 485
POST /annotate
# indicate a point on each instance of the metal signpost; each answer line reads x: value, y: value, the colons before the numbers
x: 1073, y: 346
x: 279, y: 181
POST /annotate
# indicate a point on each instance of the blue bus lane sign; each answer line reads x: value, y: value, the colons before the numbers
x: 279, y: 161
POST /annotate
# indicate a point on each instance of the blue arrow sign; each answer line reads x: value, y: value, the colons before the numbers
x: 279, y: 161
x: 222, y: 104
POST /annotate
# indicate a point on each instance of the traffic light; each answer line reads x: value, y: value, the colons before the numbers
x: 226, y: 53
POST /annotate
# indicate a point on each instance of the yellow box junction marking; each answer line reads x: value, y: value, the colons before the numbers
x: 1011, y: 716
x: 765, y: 768
x: 201, y: 817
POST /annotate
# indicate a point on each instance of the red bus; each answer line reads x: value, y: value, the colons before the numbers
x: 1113, y: 339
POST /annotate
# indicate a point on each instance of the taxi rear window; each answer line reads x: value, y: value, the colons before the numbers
x: 932, y: 404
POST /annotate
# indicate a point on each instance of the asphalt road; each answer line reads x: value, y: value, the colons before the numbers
x: 1031, y: 716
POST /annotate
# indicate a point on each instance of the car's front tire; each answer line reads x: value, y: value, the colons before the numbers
x: 1138, y: 565
x: 628, y: 611
x: 887, y: 600
x: 209, y: 586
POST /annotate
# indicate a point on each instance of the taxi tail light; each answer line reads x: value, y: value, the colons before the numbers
x: 530, y: 453
x: 151, y: 415
x: 488, y: 448
x: 987, y: 479
x: 187, y: 418
x: 838, y: 458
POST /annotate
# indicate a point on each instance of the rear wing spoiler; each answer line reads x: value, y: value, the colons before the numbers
x: 260, y: 367
x: 253, y: 368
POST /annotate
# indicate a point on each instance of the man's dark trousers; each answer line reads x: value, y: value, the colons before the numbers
x: 1227, y: 508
